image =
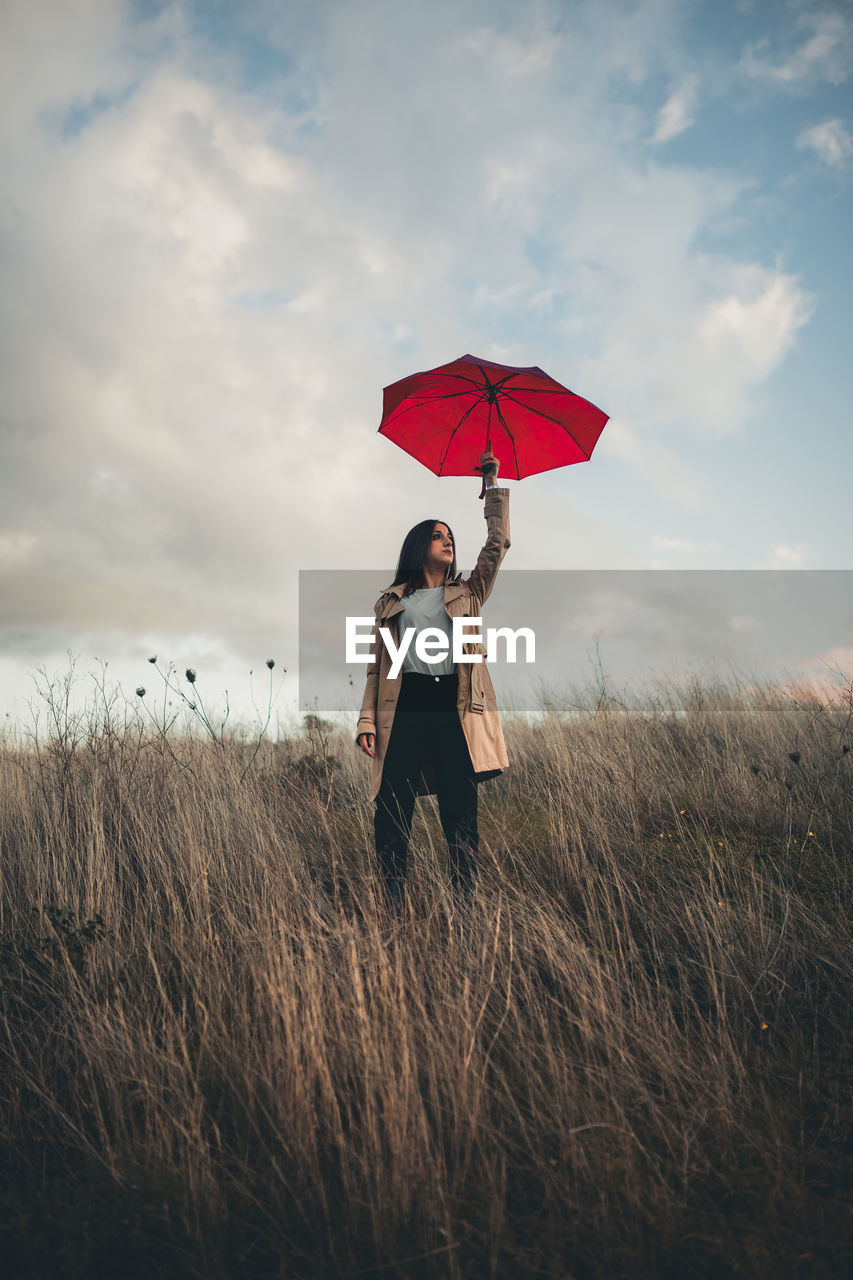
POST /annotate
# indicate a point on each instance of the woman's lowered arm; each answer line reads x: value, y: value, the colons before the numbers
x: 367, y: 716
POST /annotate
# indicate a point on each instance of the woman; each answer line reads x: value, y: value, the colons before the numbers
x: 434, y: 728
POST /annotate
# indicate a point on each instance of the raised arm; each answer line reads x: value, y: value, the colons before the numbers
x: 497, y: 542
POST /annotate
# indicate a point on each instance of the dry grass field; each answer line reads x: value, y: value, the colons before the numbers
x: 219, y: 1058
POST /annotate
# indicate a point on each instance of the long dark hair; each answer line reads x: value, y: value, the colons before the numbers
x: 416, y: 544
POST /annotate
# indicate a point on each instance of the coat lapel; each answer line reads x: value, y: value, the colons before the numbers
x: 452, y: 591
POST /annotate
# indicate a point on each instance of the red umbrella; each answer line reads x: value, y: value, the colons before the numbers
x: 446, y: 417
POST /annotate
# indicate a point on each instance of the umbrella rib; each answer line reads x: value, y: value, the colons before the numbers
x: 415, y: 399
x: 541, y: 414
x: 464, y: 377
x: 418, y: 404
x: 469, y: 410
x: 497, y: 386
x: 460, y: 377
x: 423, y: 397
x: 556, y: 390
x: 474, y: 383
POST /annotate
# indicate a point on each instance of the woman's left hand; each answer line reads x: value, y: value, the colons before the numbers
x: 488, y: 466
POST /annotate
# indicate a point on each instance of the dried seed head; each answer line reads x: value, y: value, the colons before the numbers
x: 270, y: 663
x: 190, y: 674
x: 140, y: 692
x: 153, y: 659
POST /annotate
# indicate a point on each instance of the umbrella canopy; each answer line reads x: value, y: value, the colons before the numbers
x: 446, y: 417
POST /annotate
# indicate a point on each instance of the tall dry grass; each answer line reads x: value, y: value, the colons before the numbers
x: 220, y: 1058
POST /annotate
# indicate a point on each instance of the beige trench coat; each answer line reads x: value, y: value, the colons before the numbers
x: 478, y: 712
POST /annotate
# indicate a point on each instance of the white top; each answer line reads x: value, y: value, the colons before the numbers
x: 425, y: 608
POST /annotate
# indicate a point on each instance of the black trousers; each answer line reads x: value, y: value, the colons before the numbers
x: 427, y: 729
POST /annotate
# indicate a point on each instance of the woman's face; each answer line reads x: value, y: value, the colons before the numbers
x: 440, y: 552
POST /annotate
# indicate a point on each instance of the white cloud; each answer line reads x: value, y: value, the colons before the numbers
x: 659, y: 467
x: 825, y: 54
x: 15, y: 548
x: 831, y: 141
x: 790, y: 557
x: 510, y: 55
x: 743, y: 622
x: 673, y: 544
x: 678, y: 112
x: 753, y: 326
x: 686, y: 337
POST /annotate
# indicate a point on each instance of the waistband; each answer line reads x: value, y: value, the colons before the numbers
x: 420, y: 692
x: 418, y: 677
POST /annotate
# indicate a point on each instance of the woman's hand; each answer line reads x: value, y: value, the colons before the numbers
x: 366, y: 742
x: 488, y: 466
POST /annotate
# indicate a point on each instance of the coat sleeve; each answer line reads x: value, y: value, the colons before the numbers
x: 367, y: 715
x: 496, y: 545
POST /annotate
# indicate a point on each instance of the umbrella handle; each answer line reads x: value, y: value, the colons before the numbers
x: 482, y: 493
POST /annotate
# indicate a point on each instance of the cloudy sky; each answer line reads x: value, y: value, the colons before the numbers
x: 225, y: 227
